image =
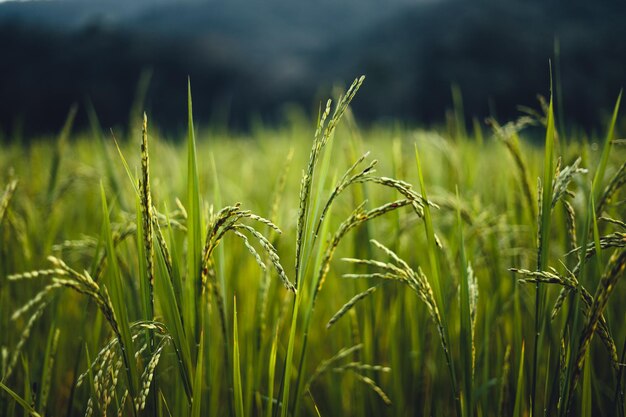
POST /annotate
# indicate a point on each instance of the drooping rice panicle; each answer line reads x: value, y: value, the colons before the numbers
x: 358, y: 217
x: 85, y: 244
x: 378, y: 390
x: 349, y: 305
x: 615, y: 269
x: 328, y: 363
x: 343, y: 183
x: 571, y: 224
x: 39, y: 298
x: 562, y: 179
x: 148, y: 376
x: 570, y: 284
x: 358, y: 366
x: 613, y: 221
x: 23, y: 338
x: 122, y: 404
x: 251, y: 249
x: 42, y: 273
x: 613, y: 240
x: 272, y: 254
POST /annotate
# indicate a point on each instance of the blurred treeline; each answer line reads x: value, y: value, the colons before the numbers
x: 248, y: 59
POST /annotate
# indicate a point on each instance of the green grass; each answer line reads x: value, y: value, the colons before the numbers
x: 383, y: 271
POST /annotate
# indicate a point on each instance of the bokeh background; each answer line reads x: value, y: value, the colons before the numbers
x: 252, y: 60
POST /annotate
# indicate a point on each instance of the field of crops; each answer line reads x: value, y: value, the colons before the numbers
x: 315, y: 269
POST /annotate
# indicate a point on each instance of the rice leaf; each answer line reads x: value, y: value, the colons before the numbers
x: 467, y: 341
x: 119, y: 303
x: 237, y: 385
x: 196, y: 403
x: 21, y: 401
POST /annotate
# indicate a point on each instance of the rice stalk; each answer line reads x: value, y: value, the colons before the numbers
x: 147, y: 215
x: 615, y: 268
x: 504, y: 383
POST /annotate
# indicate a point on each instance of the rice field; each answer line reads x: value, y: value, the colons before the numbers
x: 316, y: 269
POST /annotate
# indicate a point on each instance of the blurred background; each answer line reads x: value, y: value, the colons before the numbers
x: 258, y: 60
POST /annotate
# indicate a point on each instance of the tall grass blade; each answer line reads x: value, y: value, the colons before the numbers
x: 586, y: 388
x: 119, y: 303
x: 518, y: 410
x: 270, y: 375
x: 237, y: 385
x: 543, y: 240
x: 21, y: 401
x: 165, y: 293
x: 194, y: 224
x: 467, y: 341
x: 196, y: 405
x: 433, y: 257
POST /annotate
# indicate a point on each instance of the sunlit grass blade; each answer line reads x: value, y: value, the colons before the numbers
x: 586, y: 388
x: 119, y: 303
x: 48, y: 362
x: 289, y: 356
x: 21, y: 401
x: 467, y: 342
x: 237, y: 385
x: 437, y: 286
x: 164, y: 290
x: 270, y: 375
x: 518, y: 410
x: 196, y: 405
x: 194, y: 226
x: 543, y: 241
